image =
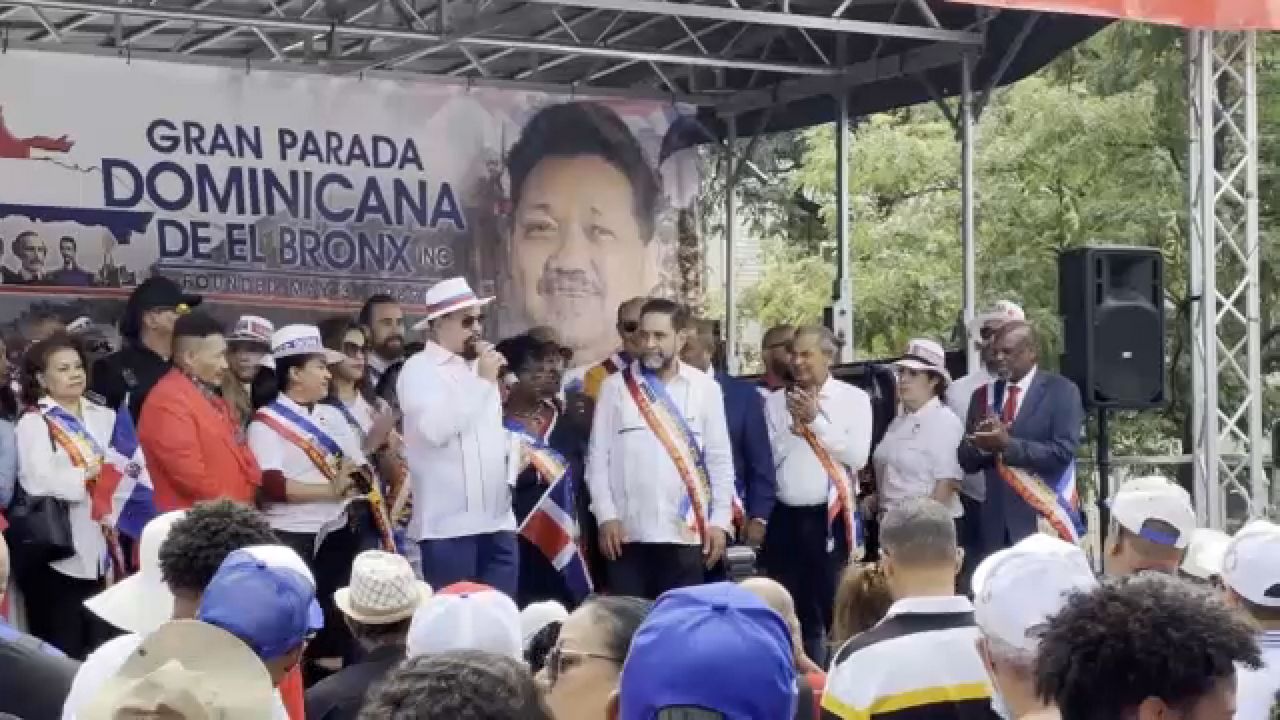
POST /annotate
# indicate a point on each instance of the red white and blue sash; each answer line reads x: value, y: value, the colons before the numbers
x: 70, y: 435
x: 676, y: 437
x: 552, y: 525
x: 1057, y: 502
x: 616, y: 362
x: 319, y: 447
x: 840, y: 495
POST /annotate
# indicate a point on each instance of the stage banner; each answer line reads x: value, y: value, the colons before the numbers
x: 297, y: 196
x: 1206, y: 14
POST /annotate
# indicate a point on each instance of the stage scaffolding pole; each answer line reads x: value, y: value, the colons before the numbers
x: 730, y: 238
x: 967, y: 228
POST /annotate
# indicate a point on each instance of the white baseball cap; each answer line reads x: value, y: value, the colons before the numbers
x: 141, y: 602
x: 253, y: 329
x: 1017, y: 590
x: 1155, y: 498
x: 1251, y: 566
x: 1205, y: 553
x: 292, y: 340
x: 539, y: 615
x: 1002, y: 311
x: 466, y: 616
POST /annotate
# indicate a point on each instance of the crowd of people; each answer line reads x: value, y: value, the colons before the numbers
x: 327, y: 521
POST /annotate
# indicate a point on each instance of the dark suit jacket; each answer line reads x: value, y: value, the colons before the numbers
x: 1043, y: 440
x: 341, y: 695
x: 752, y: 453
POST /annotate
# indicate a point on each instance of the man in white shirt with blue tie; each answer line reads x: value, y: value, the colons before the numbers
x: 660, y: 467
x: 457, y: 448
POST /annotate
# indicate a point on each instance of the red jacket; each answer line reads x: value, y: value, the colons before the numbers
x: 194, y: 448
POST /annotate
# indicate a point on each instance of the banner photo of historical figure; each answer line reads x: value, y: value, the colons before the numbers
x: 295, y: 196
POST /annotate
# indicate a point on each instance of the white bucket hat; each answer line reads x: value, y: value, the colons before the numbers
x: 141, y: 602
x: 927, y: 355
x: 1002, y: 311
x: 383, y: 589
x: 449, y: 296
x: 292, y: 340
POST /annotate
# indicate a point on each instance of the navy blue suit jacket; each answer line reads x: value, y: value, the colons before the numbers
x: 1043, y: 440
x: 752, y: 452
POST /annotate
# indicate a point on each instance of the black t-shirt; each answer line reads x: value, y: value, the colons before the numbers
x: 34, y: 677
x: 131, y: 371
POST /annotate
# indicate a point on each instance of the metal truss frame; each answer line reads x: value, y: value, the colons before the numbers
x: 646, y: 48
x: 1230, y: 483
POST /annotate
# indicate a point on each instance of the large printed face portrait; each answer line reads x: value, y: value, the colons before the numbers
x: 581, y: 230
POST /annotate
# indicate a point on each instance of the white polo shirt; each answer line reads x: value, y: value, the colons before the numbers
x: 918, y: 450
x: 274, y: 452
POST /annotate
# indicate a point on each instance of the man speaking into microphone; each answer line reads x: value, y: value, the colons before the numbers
x: 457, y: 448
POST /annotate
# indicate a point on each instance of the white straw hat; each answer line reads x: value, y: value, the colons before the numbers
x: 449, y: 296
x: 383, y: 589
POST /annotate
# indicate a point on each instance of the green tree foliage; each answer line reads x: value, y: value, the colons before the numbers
x: 1091, y: 150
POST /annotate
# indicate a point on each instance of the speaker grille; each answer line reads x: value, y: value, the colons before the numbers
x: 1128, y: 357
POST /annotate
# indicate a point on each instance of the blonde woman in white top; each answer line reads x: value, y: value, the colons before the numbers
x: 917, y: 456
x: 61, y: 442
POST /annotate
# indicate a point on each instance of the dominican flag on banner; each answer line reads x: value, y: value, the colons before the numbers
x: 123, y: 496
x: 551, y: 528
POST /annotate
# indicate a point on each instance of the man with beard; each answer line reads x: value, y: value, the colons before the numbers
x: 461, y: 458
x: 775, y: 352
x: 660, y: 466
x: 383, y: 321
x: 581, y: 232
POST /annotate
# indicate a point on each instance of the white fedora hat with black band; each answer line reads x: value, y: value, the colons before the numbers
x: 926, y: 355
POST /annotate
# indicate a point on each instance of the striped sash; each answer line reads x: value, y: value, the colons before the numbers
x: 673, y: 433
x: 840, y: 502
x: 319, y: 447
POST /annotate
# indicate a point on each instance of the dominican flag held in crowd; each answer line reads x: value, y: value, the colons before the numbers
x: 552, y: 526
x: 122, y: 496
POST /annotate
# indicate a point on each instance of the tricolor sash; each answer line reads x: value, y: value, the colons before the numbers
x: 676, y: 437
x: 85, y: 453
x: 325, y: 453
x: 1057, y: 503
x: 616, y: 362
x: 840, y: 503
x: 319, y: 447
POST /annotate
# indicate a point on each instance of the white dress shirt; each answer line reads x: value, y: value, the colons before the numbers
x: 917, y: 451
x: 456, y: 447
x: 959, y: 395
x: 631, y: 476
x: 44, y: 468
x: 843, y: 427
x: 274, y: 452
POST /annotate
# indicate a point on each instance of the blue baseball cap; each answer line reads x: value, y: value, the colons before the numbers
x: 715, y: 648
x: 266, y: 596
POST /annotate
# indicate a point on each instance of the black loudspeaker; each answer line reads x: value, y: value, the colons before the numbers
x: 1111, y: 299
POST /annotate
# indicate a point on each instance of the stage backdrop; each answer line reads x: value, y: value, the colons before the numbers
x: 296, y: 196
x: 1208, y: 14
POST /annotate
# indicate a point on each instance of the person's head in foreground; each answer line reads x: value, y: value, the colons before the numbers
x: 582, y: 670
x: 540, y: 631
x: 707, y: 652
x: 266, y: 596
x: 862, y: 600
x: 1251, y: 573
x: 457, y: 685
x: 1205, y: 554
x: 197, y: 544
x: 918, y: 552
x: 780, y: 601
x: 186, y: 670
x: 466, y: 616
x: 1152, y: 521
x: 380, y: 601
x: 1015, y: 592
x: 1144, y: 647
